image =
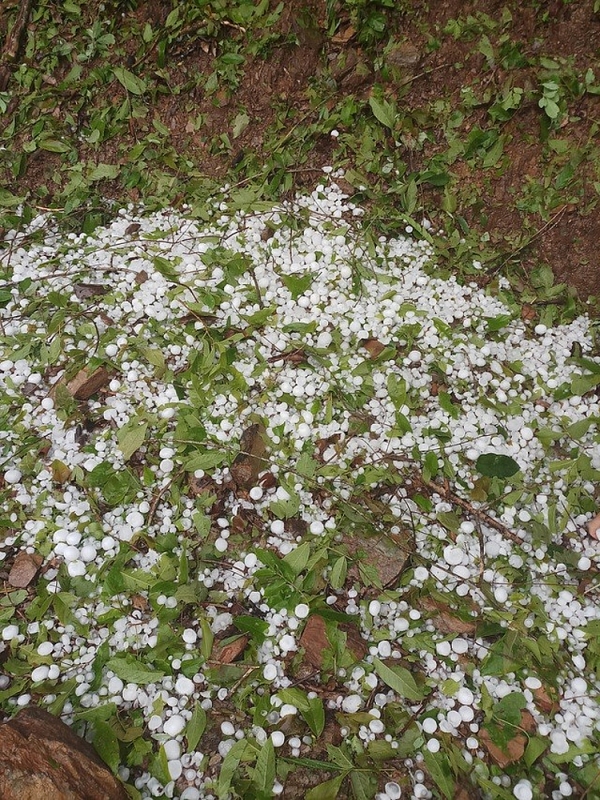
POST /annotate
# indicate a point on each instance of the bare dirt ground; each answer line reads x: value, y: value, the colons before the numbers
x: 499, y: 203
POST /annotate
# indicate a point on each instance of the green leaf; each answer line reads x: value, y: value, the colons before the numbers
x: 297, y: 284
x: 104, y: 172
x: 364, y: 784
x: 54, y: 146
x: 385, y: 112
x: 578, y: 429
x: 298, y: 558
x: 583, y: 383
x: 205, y: 461
x: 130, y: 81
x: 495, y: 465
x: 535, y: 747
x: 328, y: 790
x: 131, y: 436
x: 439, y: 769
x: 106, y: 745
x: 195, y: 727
x: 264, y: 771
x: 314, y: 716
x: 229, y: 767
x: 399, y: 679
x: 339, y: 572
x: 509, y: 708
x: 240, y: 123
x: 132, y: 671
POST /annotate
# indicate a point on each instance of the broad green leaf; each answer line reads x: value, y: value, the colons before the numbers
x: 364, y: 784
x: 384, y: 112
x: 298, y: 558
x: 104, y: 172
x: 54, y: 146
x: 131, y: 670
x: 130, y: 81
x: 509, y: 708
x: 328, y: 790
x: 582, y: 384
x: 297, y: 284
x: 439, y: 769
x: 496, y: 465
x: 314, y: 716
x: 535, y: 747
x: 131, y: 436
x: 339, y: 572
x: 195, y: 727
x: 264, y: 771
x: 399, y: 679
x: 229, y: 767
x: 205, y: 461
x: 208, y: 637
x: 106, y: 745
x: 339, y: 757
x: 240, y: 123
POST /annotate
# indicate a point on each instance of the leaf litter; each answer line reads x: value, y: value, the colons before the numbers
x: 208, y: 461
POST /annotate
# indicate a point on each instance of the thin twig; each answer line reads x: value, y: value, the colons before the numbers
x: 544, y: 229
x: 454, y: 499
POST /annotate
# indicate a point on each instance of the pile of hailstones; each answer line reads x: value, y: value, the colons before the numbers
x: 296, y: 277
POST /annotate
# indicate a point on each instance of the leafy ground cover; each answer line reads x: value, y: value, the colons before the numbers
x: 483, y: 117
x: 306, y: 511
x: 295, y: 479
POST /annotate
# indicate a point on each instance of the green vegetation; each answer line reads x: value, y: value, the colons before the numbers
x: 476, y: 136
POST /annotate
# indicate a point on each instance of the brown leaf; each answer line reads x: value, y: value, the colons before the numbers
x: 140, y: 603
x: 443, y: 620
x: 24, y: 569
x: 528, y: 312
x: 228, y: 653
x: 84, y: 385
x: 593, y: 527
x: 83, y: 291
x: 514, y: 749
x: 250, y: 461
x: 141, y: 277
x: 544, y: 702
x: 314, y: 640
x: 388, y: 558
x: 60, y: 472
x: 341, y: 37
x: 373, y: 347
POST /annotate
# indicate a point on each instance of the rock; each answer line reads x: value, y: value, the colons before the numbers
x: 42, y: 759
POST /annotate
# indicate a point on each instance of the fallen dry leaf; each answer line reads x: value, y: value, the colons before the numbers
x: 24, y: 569
x: 443, y: 620
x: 373, y: 347
x: 250, y: 461
x: 228, y: 653
x: 388, y: 558
x: 315, y: 642
x: 84, y: 385
x: 593, y: 526
x: 514, y: 749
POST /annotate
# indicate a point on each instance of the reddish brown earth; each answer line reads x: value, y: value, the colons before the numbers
x: 564, y: 234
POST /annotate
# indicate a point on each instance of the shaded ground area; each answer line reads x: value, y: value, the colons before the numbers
x: 487, y: 123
